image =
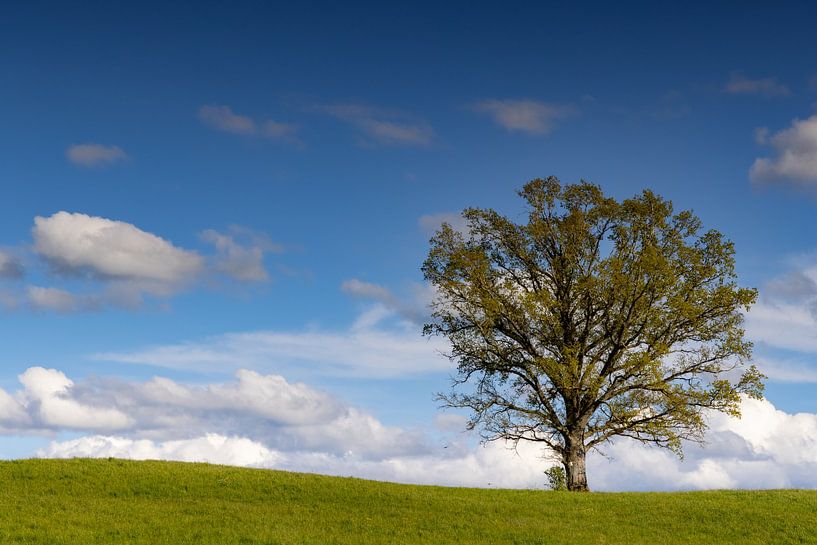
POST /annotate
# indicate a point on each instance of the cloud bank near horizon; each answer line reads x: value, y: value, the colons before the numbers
x: 293, y: 426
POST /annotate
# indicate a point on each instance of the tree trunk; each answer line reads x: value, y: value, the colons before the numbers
x: 574, y: 462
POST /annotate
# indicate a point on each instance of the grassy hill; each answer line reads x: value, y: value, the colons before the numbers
x: 115, y: 501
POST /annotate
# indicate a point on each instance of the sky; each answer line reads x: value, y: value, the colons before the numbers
x: 214, y: 214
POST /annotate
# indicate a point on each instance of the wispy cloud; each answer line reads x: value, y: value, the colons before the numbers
x: 430, y: 223
x: 528, y: 116
x: 785, y: 316
x: 415, y: 308
x: 788, y: 370
x: 223, y: 118
x: 366, y: 349
x: 739, y: 84
x: 380, y: 126
x: 241, y: 253
x: 95, y: 155
x: 10, y: 266
x: 795, y: 154
x: 53, y: 299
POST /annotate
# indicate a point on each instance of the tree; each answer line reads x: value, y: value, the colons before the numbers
x: 595, y: 319
x: 556, y: 478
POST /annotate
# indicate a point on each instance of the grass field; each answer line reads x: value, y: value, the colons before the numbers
x: 115, y: 501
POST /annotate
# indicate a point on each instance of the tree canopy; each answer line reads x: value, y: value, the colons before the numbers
x: 594, y: 319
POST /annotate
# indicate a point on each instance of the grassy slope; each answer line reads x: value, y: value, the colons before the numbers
x: 114, y: 501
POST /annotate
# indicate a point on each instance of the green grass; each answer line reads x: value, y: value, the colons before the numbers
x: 115, y: 501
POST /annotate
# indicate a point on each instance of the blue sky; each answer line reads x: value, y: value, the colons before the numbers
x: 269, y: 175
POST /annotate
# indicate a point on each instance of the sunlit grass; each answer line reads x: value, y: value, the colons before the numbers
x: 114, y: 501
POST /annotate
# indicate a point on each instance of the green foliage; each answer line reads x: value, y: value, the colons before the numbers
x: 556, y: 478
x: 101, y: 502
x: 593, y: 319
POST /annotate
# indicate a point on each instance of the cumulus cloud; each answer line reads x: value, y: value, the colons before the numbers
x: 211, y: 448
x: 529, y: 116
x: 94, y: 155
x: 265, y: 408
x: 491, y: 466
x: 767, y: 448
x: 46, y: 403
x: 223, y: 118
x: 113, y: 250
x: 739, y: 84
x: 94, y: 262
x: 10, y: 266
x: 795, y: 155
x: 241, y: 253
x: 381, y: 126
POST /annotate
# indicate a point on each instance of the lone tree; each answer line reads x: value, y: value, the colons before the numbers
x: 594, y: 319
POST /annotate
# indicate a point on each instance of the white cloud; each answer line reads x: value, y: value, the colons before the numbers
x: 785, y: 316
x: 450, y: 422
x: 10, y: 266
x: 93, y: 155
x: 40, y: 298
x: 13, y: 413
x: 127, y: 261
x: 382, y: 126
x: 113, y: 250
x: 241, y: 253
x: 739, y: 84
x: 223, y: 118
x: 365, y: 349
x: 431, y: 223
x: 528, y: 116
x: 788, y: 369
x: 783, y: 325
x: 270, y: 397
x: 795, y: 156
x: 278, y: 131
x: 48, y: 403
x: 265, y: 421
x: 212, y: 448
x: 265, y: 408
x: 119, y: 264
x: 368, y: 290
x: 768, y: 448
x: 415, y: 308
